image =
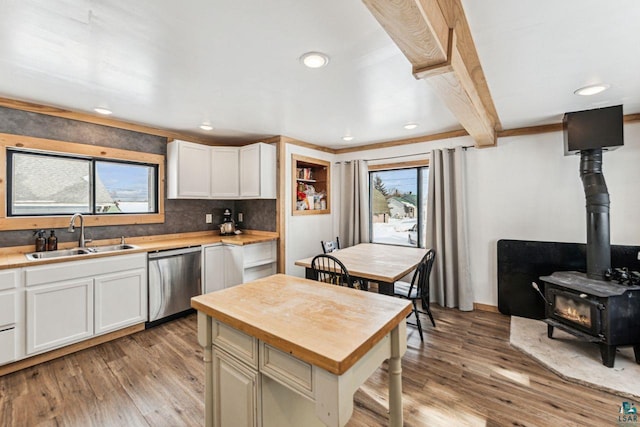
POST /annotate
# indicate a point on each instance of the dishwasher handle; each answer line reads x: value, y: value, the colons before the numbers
x: 174, y: 252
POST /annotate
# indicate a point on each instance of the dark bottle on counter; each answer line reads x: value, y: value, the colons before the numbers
x: 41, y: 242
x: 52, y: 242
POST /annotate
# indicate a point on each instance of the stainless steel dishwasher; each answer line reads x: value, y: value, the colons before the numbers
x: 174, y: 277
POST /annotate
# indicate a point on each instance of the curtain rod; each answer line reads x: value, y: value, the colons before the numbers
x: 464, y: 147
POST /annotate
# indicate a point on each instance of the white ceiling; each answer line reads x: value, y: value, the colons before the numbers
x: 173, y: 65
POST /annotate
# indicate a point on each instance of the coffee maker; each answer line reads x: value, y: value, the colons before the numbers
x: 228, y: 226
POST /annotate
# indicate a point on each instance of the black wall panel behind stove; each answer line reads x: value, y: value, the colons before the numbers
x: 521, y: 262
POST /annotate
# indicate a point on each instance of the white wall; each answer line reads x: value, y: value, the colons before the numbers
x: 526, y: 189
x: 303, y: 233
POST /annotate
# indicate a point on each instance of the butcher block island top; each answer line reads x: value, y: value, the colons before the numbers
x: 328, y: 326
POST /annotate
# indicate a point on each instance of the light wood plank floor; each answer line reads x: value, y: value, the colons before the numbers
x: 465, y: 374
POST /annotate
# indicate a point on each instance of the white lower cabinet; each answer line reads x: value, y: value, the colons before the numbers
x: 11, y: 315
x: 7, y: 345
x: 59, y: 314
x: 249, y: 262
x: 233, y: 265
x: 212, y: 268
x: 236, y: 389
x: 69, y: 302
x: 224, y: 265
x: 120, y: 300
x: 255, y: 384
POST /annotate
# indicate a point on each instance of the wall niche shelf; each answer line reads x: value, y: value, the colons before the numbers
x: 311, y: 177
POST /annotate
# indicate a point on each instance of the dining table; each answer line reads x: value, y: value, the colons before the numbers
x: 374, y: 262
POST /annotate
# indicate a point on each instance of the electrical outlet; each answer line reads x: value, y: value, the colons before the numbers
x: 240, y: 217
x: 208, y: 218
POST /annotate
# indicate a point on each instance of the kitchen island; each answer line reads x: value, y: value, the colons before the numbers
x: 287, y: 351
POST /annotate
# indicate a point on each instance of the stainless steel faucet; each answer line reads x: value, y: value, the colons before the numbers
x: 81, y: 240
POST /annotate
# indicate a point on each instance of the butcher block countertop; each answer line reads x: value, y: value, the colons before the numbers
x: 328, y: 326
x: 14, y: 257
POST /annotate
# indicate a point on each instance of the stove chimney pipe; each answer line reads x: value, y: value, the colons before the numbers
x: 597, y: 197
x: 590, y: 132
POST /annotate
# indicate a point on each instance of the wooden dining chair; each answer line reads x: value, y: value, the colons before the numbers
x: 330, y: 245
x: 329, y: 269
x: 418, y: 289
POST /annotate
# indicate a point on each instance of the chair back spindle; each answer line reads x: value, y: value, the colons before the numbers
x: 329, y: 269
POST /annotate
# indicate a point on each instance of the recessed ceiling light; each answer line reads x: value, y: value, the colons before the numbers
x: 102, y: 110
x: 314, y: 59
x: 206, y: 126
x: 347, y: 138
x: 410, y: 126
x: 592, y: 89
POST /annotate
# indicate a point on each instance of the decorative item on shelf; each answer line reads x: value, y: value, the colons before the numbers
x: 308, y: 199
x: 305, y: 174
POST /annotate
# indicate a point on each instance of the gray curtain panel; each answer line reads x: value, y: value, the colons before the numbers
x: 447, y: 229
x: 354, y: 203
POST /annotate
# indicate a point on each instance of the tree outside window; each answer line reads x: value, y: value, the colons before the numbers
x: 398, y: 206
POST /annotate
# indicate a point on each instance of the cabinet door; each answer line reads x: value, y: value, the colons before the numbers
x: 7, y: 345
x: 250, y: 171
x: 213, y: 268
x: 189, y: 174
x: 235, y: 392
x: 120, y: 300
x: 8, y: 302
x: 225, y: 165
x: 233, y: 265
x: 59, y: 314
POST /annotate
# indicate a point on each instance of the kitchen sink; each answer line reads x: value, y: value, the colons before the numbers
x: 111, y: 248
x: 56, y: 254
x: 78, y: 251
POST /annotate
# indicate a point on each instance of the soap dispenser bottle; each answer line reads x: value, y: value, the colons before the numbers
x: 52, y: 242
x: 41, y: 242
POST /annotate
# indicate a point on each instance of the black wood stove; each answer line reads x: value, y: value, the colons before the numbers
x: 599, y: 311
x: 601, y: 306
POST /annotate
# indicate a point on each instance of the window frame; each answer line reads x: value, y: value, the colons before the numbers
x: 71, y: 149
x: 92, y: 164
x: 419, y: 166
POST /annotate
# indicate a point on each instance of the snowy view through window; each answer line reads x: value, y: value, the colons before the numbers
x: 49, y: 184
x: 398, y: 206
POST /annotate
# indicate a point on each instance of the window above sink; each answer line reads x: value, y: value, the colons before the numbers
x: 99, y: 202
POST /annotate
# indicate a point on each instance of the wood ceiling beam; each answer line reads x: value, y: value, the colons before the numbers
x: 435, y: 37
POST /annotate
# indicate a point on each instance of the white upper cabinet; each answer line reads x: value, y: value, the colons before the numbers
x: 196, y: 171
x: 225, y: 166
x: 188, y: 170
x: 258, y: 171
